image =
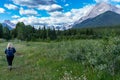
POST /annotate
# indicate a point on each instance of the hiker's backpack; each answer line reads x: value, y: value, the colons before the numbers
x: 10, y: 52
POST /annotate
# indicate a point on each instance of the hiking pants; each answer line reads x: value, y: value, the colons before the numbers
x: 9, y: 60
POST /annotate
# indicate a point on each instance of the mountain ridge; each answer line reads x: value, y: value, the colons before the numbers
x: 9, y: 24
x: 98, y: 9
x: 108, y: 18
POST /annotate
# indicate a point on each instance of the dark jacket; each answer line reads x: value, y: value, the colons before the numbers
x: 10, y: 51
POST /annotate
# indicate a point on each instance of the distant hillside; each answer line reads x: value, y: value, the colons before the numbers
x: 9, y: 24
x: 108, y: 18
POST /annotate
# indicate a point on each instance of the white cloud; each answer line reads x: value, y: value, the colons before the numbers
x: 2, y: 10
x: 76, y: 14
x: 27, y: 12
x: 50, y: 8
x: 102, y: 1
x: 66, y: 5
x: 10, y: 6
x: 115, y: 0
x: 56, y: 14
x: 49, y: 5
x: 33, y: 3
x: 118, y: 6
x: 109, y: 1
x: 29, y: 20
x: 15, y: 16
x: 56, y: 18
x: 41, y: 21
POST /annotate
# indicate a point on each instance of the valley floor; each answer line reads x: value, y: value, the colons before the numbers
x: 65, y: 60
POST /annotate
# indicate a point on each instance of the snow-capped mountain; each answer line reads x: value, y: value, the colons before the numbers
x: 60, y: 27
x: 9, y: 24
x: 98, y: 9
x: 107, y: 19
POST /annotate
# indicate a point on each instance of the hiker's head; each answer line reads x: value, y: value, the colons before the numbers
x: 10, y: 45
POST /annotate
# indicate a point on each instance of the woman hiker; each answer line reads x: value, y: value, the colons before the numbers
x: 9, y: 51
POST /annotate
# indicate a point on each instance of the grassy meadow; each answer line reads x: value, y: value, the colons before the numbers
x: 65, y: 60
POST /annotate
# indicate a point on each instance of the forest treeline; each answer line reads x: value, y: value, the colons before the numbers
x: 29, y: 33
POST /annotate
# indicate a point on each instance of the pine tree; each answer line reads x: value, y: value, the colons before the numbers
x: 6, y: 33
x: 20, y: 27
x: 14, y: 33
x: 1, y: 30
x: 39, y: 31
x: 44, y: 33
x: 54, y: 35
x: 28, y: 32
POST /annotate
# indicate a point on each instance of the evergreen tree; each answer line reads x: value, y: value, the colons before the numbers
x: 44, y: 33
x: 1, y: 30
x: 28, y: 32
x: 51, y: 34
x: 20, y: 28
x: 6, y: 33
x: 54, y: 35
x: 14, y: 33
x: 39, y: 31
x: 48, y: 33
x: 34, y: 35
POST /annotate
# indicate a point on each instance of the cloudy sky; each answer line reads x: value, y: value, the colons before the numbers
x: 47, y: 12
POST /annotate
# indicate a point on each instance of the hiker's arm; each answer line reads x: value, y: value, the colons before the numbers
x: 14, y: 50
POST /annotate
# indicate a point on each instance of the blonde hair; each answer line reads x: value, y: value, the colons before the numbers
x: 10, y: 45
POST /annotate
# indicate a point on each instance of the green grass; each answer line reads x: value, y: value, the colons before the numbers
x: 48, y: 61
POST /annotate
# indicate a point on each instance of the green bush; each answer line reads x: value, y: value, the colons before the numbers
x: 100, y: 56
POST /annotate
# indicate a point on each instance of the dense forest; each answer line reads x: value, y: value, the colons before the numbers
x: 29, y: 33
